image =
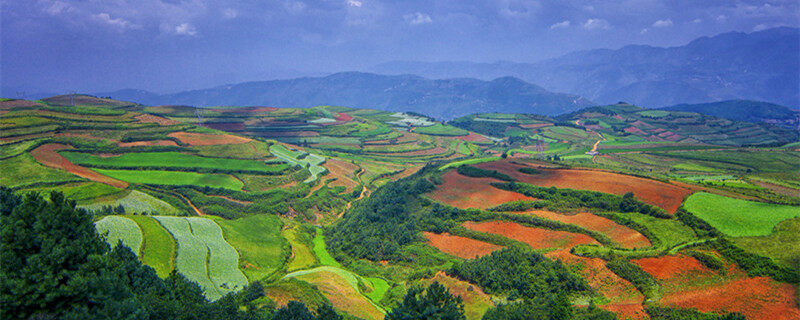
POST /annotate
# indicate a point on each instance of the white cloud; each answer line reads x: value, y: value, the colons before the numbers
x: 230, y: 13
x: 417, y: 18
x: 698, y: 20
x: 722, y: 18
x: 560, y: 25
x: 662, y: 23
x: 57, y: 8
x: 120, y: 23
x: 596, y: 24
x: 645, y: 30
x: 354, y: 3
x: 185, y: 29
x: 760, y: 27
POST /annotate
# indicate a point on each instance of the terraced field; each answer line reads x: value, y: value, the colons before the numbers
x: 171, y: 160
x: 739, y: 218
x: 120, y: 229
x: 177, y: 178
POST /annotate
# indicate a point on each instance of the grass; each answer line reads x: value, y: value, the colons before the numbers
x: 321, y: 252
x: 120, y: 228
x: 159, y: 177
x: 468, y: 161
x: 341, y: 287
x: 136, y: 202
x: 81, y: 192
x: 172, y: 160
x: 258, y: 240
x: 441, y: 130
x: 251, y: 150
x: 24, y: 170
x: 14, y: 149
x: 223, y: 260
x: 302, y: 256
x: 158, y: 249
x: 669, y: 231
x: 783, y: 245
x: 739, y: 218
x: 192, y: 254
x: 379, y: 289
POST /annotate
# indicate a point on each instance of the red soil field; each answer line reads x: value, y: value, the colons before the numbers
x: 537, y: 238
x: 757, y: 298
x: 18, y: 104
x: 149, y: 118
x: 202, y: 139
x: 473, y: 137
x: 666, y: 196
x: 624, y: 299
x: 344, y: 117
x: 626, y: 237
x: 461, y: 247
x: 669, y: 267
x: 46, y: 154
x: 636, y: 131
x: 148, y: 143
x: 467, y: 192
x: 343, y: 171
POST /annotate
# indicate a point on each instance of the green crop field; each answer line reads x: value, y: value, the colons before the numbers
x: 24, y: 170
x: 82, y: 192
x: 118, y: 228
x: 379, y: 289
x: 258, y: 240
x: 192, y: 254
x: 12, y: 149
x: 302, y: 256
x: 739, y: 218
x: 223, y: 260
x: 783, y: 244
x: 171, y: 160
x: 321, y: 252
x: 670, y: 232
x: 441, y: 130
x: 136, y: 202
x: 158, y: 177
x: 311, y: 162
x: 158, y: 249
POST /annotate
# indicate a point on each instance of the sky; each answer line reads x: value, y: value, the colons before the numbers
x: 171, y: 45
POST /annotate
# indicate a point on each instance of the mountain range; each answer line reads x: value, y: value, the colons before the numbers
x: 443, y: 99
x: 760, y: 66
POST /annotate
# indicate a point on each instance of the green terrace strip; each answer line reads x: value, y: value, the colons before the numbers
x: 178, y: 178
x: 120, y: 228
x: 158, y: 250
x: 135, y: 202
x: 258, y: 240
x: 204, y: 256
x: 172, y: 160
x: 223, y: 260
x: 739, y: 218
x: 306, y: 160
x: 468, y: 161
x: 321, y: 251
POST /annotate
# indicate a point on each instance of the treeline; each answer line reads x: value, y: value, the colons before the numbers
x: 476, y: 172
x: 56, y: 266
x: 557, y: 199
x: 640, y: 279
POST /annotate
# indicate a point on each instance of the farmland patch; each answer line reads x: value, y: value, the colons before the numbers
x: 461, y: 247
x: 466, y: 192
x: 537, y: 238
x: 739, y: 218
x: 117, y: 228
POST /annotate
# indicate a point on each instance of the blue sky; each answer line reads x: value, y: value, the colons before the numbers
x: 171, y: 45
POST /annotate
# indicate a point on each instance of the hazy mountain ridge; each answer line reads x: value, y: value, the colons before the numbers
x: 745, y: 110
x: 756, y: 66
x: 444, y: 99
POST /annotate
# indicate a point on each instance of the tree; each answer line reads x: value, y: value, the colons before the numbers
x: 435, y: 303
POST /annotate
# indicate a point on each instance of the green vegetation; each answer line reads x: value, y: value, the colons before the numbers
x: 23, y: 170
x: 435, y: 302
x: 177, y: 178
x: 158, y: 249
x: 321, y: 252
x: 299, y: 158
x: 81, y: 192
x: 192, y: 255
x: 301, y: 243
x: 739, y: 218
x: 475, y: 172
x: 782, y: 245
x: 258, y: 240
x: 117, y: 228
x: 643, y: 281
x: 223, y: 261
x: 441, y: 130
x: 135, y: 202
x: 172, y: 160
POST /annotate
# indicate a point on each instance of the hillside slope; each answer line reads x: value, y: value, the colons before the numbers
x: 744, y: 110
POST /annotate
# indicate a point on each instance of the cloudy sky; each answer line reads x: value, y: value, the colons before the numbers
x: 171, y: 45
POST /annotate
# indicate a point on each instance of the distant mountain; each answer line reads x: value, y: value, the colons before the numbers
x: 745, y: 110
x: 761, y: 66
x: 443, y: 99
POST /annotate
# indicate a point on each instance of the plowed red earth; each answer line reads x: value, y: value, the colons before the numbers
x: 461, y: 247
x: 149, y: 118
x: 46, y: 154
x: 8, y: 104
x: 688, y: 284
x: 466, y: 192
x: 537, y: 238
x: 535, y: 125
x: 473, y: 137
x: 626, y: 237
x: 343, y: 171
x: 148, y: 143
x: 664, y: 195
x: 624, y: 299
x: 202, y: 139
x: 344, y: 117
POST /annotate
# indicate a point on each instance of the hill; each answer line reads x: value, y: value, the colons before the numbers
x: 760, y: 66
x: 744, y: 110
x: 443, y: 99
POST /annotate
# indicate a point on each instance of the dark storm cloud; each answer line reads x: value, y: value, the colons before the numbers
x: 166, y: 45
